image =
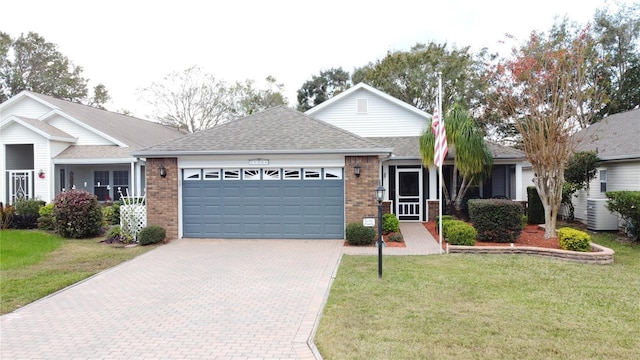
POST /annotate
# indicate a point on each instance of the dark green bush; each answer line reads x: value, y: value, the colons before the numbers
x: 77, y: 214
x: 26, y: 215
x: 45, y: 219
x: 627, y: 204
x: 446, y: 224
x: 397, y: 237
x: 115, y: 214
x: 461, y: 234
x: 390, y: 223
x: 535, y: 210
x: 496, y: 220
x: 574, y: 240
x: 151, y: 234
x: 358, y: 234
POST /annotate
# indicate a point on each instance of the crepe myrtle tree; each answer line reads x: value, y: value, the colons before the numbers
x: 544, y: 88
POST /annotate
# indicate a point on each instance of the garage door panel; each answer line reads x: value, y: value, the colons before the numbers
x: 264, y: 208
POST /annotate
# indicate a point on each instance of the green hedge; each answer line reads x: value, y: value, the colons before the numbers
x: 535, y: 210
x: 358, y: 234
x: 496, y: 220
x: 574, y: 240
x: 461, y: 234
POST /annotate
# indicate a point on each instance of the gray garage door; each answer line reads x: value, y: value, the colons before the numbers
x: 263, y: 203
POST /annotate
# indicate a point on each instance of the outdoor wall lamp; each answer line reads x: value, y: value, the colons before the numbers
x: 356, y: 169
x: 162, y: 171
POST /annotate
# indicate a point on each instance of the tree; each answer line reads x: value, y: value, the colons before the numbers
x: 412, y: 76
x: 618, y: 35
x: 473, y: 158
x: 580, y: 170
x: 193, y: 100
x: 31, y: 63
x: 543, y: 89
x: 322, y: 87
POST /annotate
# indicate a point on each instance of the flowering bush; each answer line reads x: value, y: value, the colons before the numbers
x: 77, y: 214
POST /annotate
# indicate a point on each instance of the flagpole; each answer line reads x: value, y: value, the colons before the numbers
x: 439, y: 105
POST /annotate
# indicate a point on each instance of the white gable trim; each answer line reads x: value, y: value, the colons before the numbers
x: 25, y: 93
x: 44, y: 134
x: 375, y: 92
x: 57, y: 112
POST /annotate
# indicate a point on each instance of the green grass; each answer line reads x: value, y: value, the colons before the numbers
x: 36, y: 264
x: 484, y: 307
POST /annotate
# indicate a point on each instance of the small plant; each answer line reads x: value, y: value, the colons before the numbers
x: 45, y: 219
x: 151, y: 234
x: 461, y: 234
x: 77, y: 214
x: 358, y: 234
x: 574, y: 240
x: 6, y: 216
x: 397, y: 237
x: 115, y: 235
x: 107, y: 214
x: 390, y: 223
x: 448, y: 223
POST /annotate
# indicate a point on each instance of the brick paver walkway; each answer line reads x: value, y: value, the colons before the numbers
x: 190, y: 299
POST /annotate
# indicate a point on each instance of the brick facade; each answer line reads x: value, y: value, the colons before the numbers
x: 162, y: 195
x: 360, y: 198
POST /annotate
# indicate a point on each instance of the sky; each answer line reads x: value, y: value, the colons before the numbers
x: 128, y: 45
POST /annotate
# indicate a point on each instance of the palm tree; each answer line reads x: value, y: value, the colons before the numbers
x: 473, y: 159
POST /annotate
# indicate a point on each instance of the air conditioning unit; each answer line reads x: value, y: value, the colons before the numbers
x: 599, y: 217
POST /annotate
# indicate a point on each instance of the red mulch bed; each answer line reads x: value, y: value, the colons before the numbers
x: 532, y: 235
x: 386, y: 240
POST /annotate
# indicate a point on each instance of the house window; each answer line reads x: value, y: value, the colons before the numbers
x: 120, y: 183
x: 101, y: 185
x: 603, y: 181
x: 362, y: 106
x: 63, y: 180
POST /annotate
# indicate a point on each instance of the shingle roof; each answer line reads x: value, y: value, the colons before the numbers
x: 94, y: 152
x: 409, y: 147
x: 275, y: 130
x: 136, y: 133
x: 614, y: 137
x: 46, y: 129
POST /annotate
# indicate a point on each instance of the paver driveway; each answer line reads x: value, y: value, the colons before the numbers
x: 190, y: 299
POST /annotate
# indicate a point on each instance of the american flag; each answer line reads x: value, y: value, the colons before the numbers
x: 440, y: 147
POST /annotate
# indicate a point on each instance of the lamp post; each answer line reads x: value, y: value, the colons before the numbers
x: 380, y: 196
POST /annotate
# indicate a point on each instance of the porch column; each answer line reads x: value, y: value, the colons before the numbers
x: 519, y: 182
x: 433, y: 183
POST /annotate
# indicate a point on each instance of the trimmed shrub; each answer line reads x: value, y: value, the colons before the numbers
x: 461, y: 234
x: 77, y: 214
x: 535, y: 210
x: 26, y: 216
x: 627, y: 204
x: 496, y: 220
x: 358, y: 234
x: 390, y: 223
x: 397, y: 237
x: 444, y: 218
x: 45, y: 219
x: 574, y: 240
x: 446, y: 224
x: 151, y: 234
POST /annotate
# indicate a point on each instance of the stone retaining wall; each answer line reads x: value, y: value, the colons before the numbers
x: 598, y: 255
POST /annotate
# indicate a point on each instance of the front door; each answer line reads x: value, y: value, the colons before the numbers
x: 409, y: 194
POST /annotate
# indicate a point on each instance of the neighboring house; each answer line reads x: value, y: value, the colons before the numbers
x: 48, y: 145
x: 617, y: 145
x: 280, y: 173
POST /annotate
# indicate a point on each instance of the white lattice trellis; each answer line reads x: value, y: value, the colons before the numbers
x: 133, y: 215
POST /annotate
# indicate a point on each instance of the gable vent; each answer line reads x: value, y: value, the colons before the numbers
x: 361, y: 106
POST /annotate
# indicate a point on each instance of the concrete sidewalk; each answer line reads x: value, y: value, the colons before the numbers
x: 417, y: 239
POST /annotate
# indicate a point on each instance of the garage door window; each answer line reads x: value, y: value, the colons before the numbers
x: 212, y: 174
x: 271, y: 174
x: 291, y: 174
x: 191, y: 174
x: 311, y: 174
x: 231, y: 174
x: 333, y: 173
x: 251, y: 174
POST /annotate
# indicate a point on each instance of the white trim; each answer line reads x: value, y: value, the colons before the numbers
x: 40, y: 132
x: 93, y: 161
x: 274, y: 162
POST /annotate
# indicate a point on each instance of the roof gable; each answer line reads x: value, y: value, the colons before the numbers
x: 275, y: 130
x: 613, y: 138
x: 41, y: 128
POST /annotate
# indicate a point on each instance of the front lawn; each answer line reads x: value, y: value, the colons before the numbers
x: 484, y: 307
x: 35, y: 264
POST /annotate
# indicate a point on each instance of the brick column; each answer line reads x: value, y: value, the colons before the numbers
x: 360, y: 198
x: 162, y: 195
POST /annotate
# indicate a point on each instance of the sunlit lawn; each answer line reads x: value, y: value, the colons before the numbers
x: 484, y: 307
x: 35, y: 264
